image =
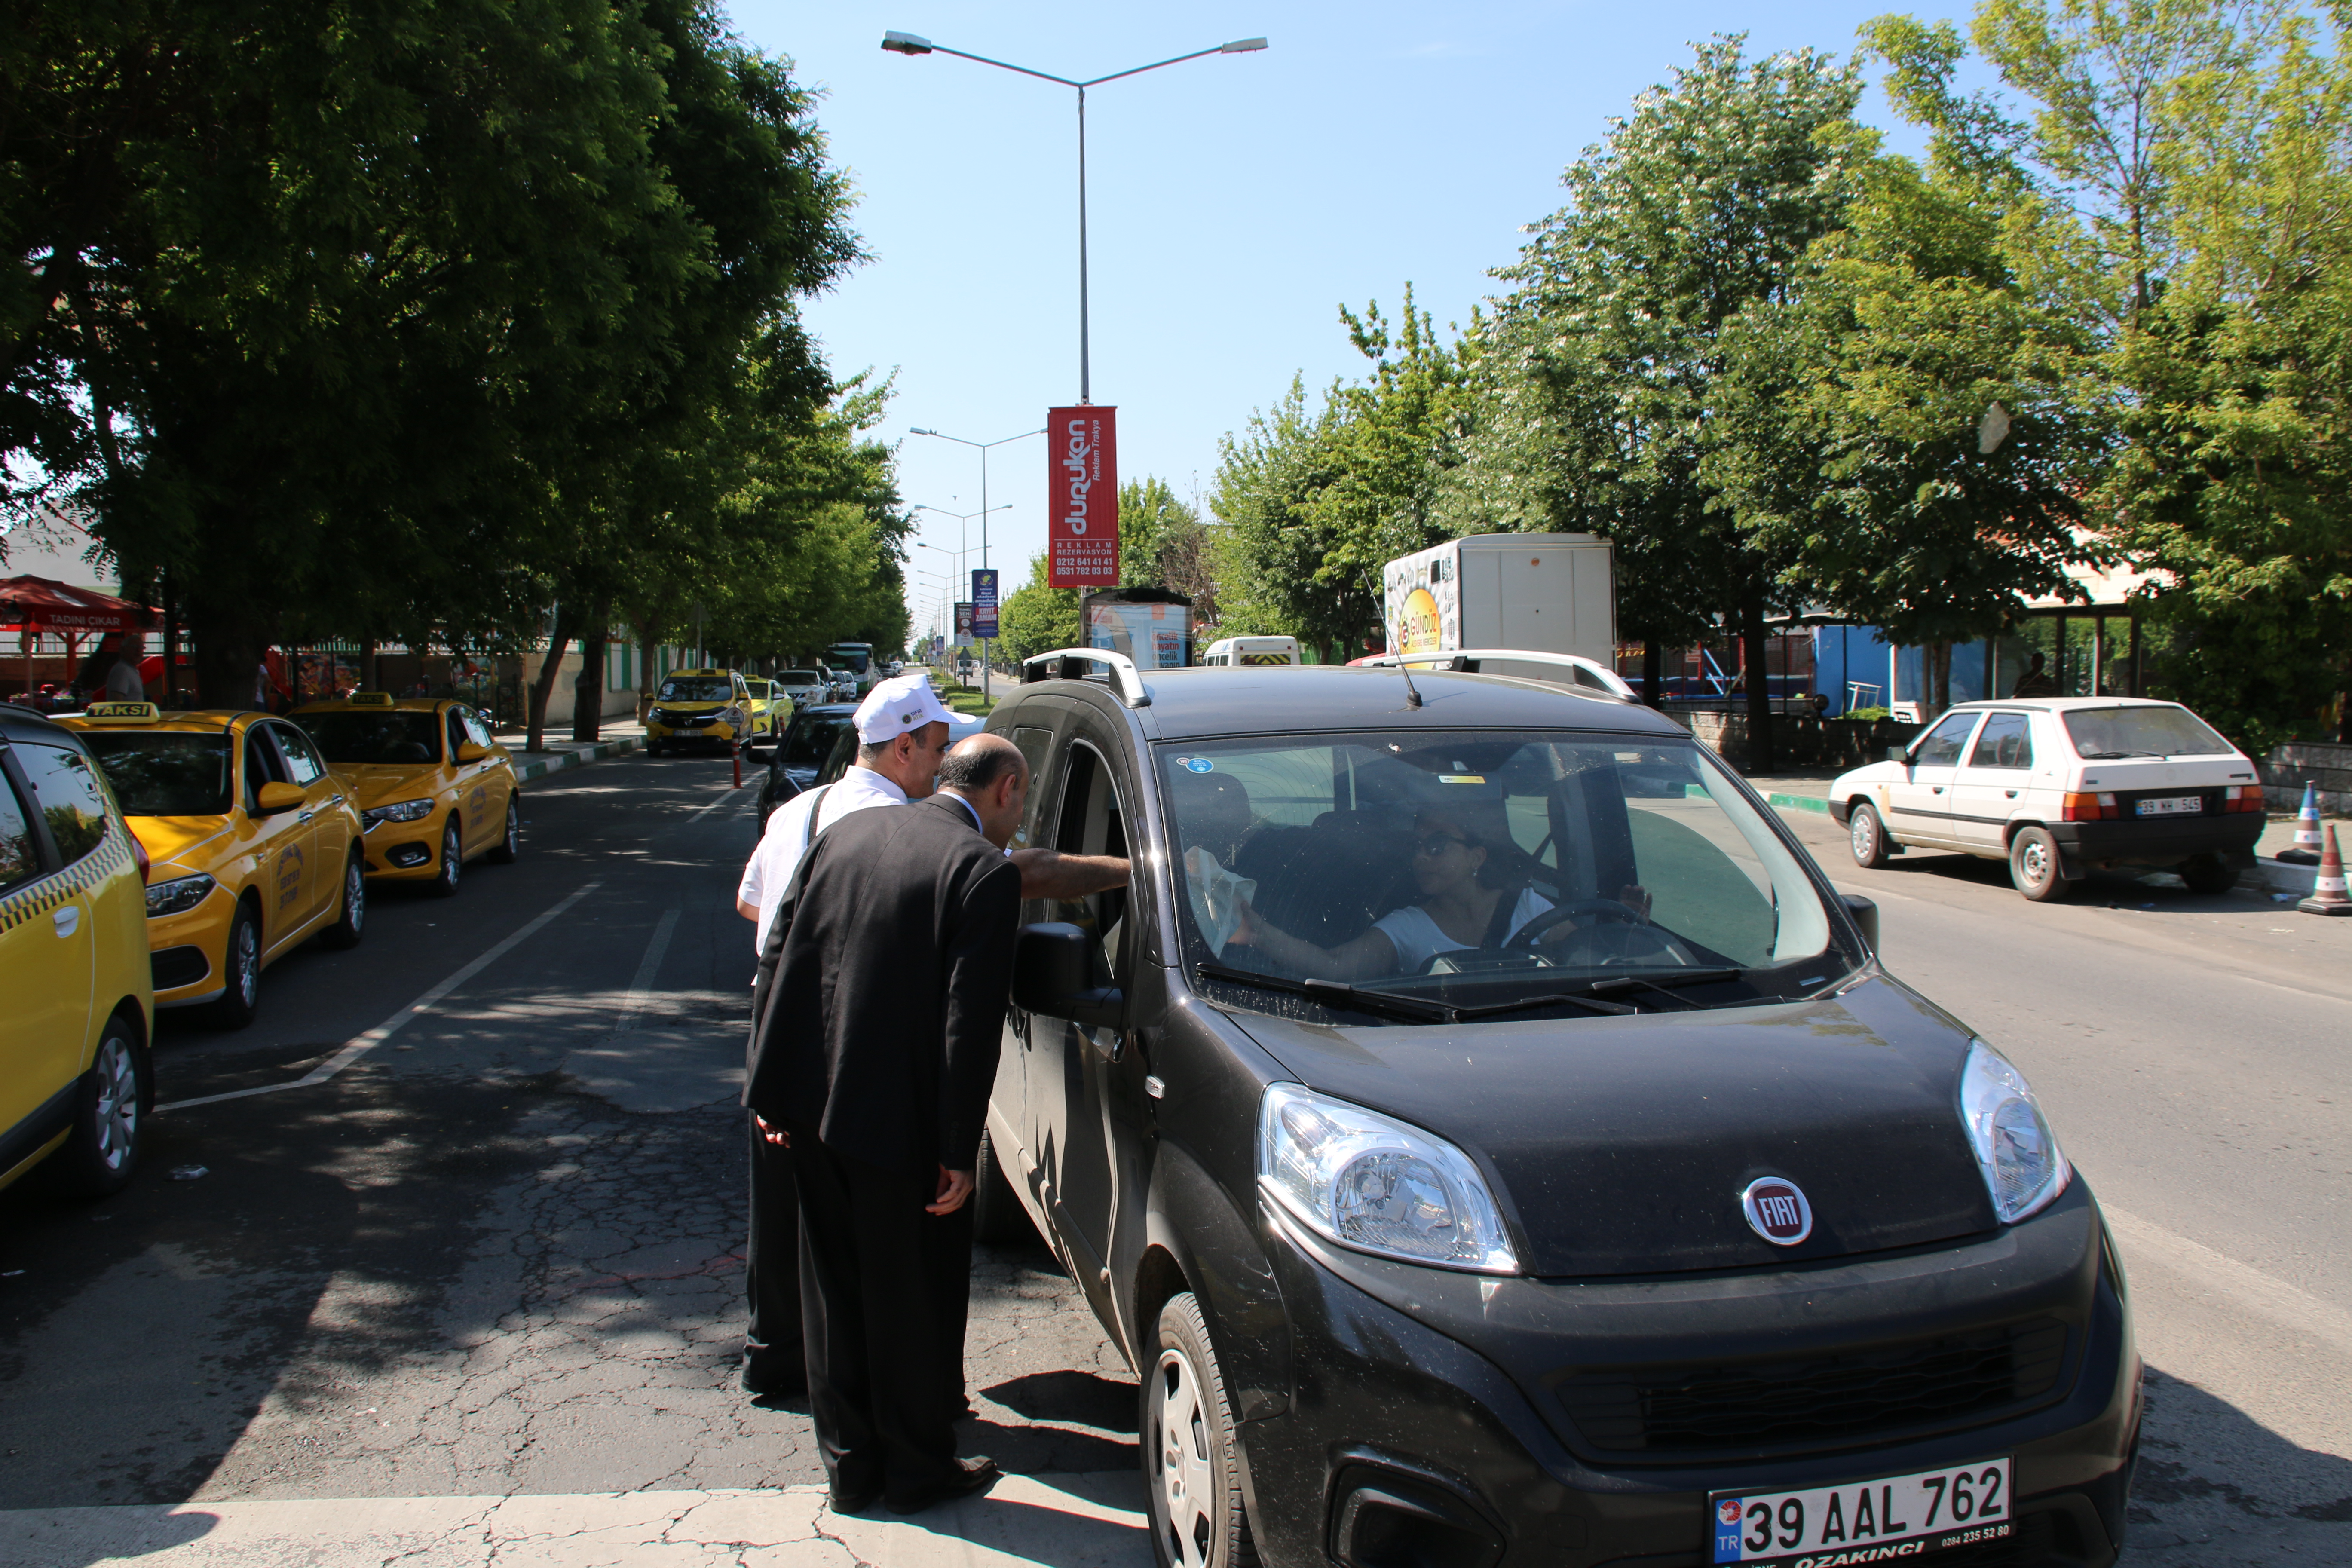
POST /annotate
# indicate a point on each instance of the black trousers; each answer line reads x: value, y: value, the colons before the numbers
x: 772, y: 1266
x: 881, y: 1283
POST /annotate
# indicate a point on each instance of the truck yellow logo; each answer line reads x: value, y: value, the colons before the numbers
x: 1418, y: 628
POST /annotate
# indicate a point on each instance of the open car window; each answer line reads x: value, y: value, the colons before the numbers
x: 1478, y: 867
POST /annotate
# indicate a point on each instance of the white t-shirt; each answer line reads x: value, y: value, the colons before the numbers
x: 123, y: 681
x: 1417, y: 938
x: 789, y: 831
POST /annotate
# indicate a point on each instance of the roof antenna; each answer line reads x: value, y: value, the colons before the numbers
x: 1411, y: 692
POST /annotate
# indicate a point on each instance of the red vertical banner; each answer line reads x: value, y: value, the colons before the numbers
x: 1082, y: 496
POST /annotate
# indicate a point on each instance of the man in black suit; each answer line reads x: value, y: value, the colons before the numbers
x: 881, y: 1010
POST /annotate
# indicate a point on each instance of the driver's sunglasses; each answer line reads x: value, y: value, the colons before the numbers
x: 1432, y: 845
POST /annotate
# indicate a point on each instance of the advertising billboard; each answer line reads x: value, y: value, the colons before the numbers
x: 963, y: 621
x: 1082, y: 496
x: 983, y: 603
x: 1154, y: 634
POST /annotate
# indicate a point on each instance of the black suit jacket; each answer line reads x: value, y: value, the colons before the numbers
x: 883, y: 985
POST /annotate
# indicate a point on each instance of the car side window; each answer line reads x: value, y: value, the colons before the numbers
x: 455, y: 726
x: 1942, y: 747
x: 301, y: 758
x: 70, y: 799
x: 20, y: 861
x: 261, y: 766
x: 2006, y: 742
x: 476, y: 730
x: 1093, y: 822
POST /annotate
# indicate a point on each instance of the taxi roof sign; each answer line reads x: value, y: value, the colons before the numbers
x: 122, y: 712
x: 369, y: 698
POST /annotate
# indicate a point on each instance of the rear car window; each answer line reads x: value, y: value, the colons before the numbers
x: 165, y: 774
x: 2005, y: 742
x: 810, y: 741
x: 69, y: 796
x: 2160, y: 731
x: 19, y: 863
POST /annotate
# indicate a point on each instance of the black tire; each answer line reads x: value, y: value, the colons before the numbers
x: 351, y: 920
x: 240, y: 970
x: 508, y: 848
x: 2208, y: 874
x: 654, y: 748
x: 451, y: 868
x: 111, y: 1105
x: 997, y: 1216
x: 2033, y: 866
x: 1865, y: 836
x: 1192, y: 1462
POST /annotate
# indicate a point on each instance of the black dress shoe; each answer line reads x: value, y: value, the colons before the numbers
x: 851, y: 1502
x: 766, y: 1375
x: 971, y: 1476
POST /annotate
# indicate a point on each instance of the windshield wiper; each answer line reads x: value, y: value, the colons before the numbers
x: 1553, y: 999
x: 1667, y: 986
x: 1338, y: 992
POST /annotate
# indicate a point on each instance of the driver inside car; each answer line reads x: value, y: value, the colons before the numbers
x: 1473, y: 885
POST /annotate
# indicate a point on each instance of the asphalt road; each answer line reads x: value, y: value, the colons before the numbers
x: 498, y: 1251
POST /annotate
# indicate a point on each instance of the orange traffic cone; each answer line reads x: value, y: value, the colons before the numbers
x: 2305, y: 851
x: 2327, y: 895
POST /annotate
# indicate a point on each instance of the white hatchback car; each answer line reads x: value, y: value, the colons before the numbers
x: 2057, y: 785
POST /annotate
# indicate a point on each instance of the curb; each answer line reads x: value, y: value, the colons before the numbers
x: 530, y: 767
x: 1800, y: 802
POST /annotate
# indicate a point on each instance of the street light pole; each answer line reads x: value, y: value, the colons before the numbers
x: 910, y: 43
x: 982, y: 513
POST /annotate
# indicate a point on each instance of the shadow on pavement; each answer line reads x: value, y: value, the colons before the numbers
x: 2183, y: 1510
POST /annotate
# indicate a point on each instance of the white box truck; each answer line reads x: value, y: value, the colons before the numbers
x: 1551, y: 593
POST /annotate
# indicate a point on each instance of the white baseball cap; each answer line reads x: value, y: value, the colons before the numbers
x: 898, y: 705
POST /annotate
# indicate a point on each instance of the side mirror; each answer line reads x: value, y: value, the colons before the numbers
x: 470, y: 752
x: 1898, y: 754
x: 1053, y: 973
x: 1865, y: 915
x: 273, y: 798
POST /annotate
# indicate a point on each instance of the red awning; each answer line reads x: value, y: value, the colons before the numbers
x: 42, y: 604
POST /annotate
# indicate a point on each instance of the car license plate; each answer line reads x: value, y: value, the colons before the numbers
x: 1890, y: 1520
x: 2172, y: 805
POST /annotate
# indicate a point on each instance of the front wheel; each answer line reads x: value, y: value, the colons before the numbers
x: 509, y: 848
x: 110, y: 1106
x: 2033, y: 866
x: 241, y: 968
x: 453, y: 859
x: 352, y: 917
x: 1191, y: 1466
x: 1866, y: 836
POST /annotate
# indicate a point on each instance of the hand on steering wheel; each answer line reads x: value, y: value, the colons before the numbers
x: 1595, y: 910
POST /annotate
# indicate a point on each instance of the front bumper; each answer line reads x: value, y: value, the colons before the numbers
x: 2158, y: 841
x: 186, y: 949
x: 1436, y: 1388
x: 405, y: 851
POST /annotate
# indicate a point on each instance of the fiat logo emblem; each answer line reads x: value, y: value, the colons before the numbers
x: 1777, y: 1211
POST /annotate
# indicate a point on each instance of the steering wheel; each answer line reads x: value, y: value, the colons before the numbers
x: 1609, y: 911
x: 1619, y: 937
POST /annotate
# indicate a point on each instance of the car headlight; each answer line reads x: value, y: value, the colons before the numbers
x: 179, y: 895
x: 2023, y: 1167
x: 402, y: 811
x: 1365, y: 1180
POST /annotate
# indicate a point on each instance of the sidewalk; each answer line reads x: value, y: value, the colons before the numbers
x: 621, y: 737
x: 1065, y: 1521
x: 1808, y: 792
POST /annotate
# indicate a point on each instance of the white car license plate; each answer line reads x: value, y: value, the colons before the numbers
x: 1890, y: 1520
x: 2172, y: 805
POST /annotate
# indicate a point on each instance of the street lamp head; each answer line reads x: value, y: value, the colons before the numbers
x: 1238, y: 47
x: 909, y: 44
x: 918, y: 430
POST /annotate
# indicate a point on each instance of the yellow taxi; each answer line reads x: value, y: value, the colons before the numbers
x: 77, y: 1005
x: 770, y: 709
x: 697, y: 707
x: 254, y: 845
x: 433, y: 789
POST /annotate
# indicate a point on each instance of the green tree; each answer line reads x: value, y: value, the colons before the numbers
x: 1699, y: 204
x: 1037, y: 618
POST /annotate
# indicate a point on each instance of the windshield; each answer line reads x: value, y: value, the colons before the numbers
x: 849, y: 658
x: 165, y: 775
x: 1481, y: 868
x: 2154, y: 731
x: 810, y: 741
x: 800, y: 677
x: 403, y: 736
x: 698, y: 688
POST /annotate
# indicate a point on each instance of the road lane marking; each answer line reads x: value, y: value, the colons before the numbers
x: 715, y: 804
x: 2242, y: 1284
x: 359, y: 1046
x: 650, y: 967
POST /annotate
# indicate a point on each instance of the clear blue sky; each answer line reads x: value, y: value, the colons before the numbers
x: 1235, y: 201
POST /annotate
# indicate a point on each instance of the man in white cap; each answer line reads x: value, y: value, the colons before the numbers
x: 903, y: 731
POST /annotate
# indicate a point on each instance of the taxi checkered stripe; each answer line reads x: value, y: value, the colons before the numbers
x: 39, y: 897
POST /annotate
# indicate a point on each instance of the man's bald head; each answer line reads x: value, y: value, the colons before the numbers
x: 989, y: 772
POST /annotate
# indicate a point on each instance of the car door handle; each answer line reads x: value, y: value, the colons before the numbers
x: 1937, y: 789
x: 303, y: 817
x: 66, y: 919
x: 2011, y: 792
